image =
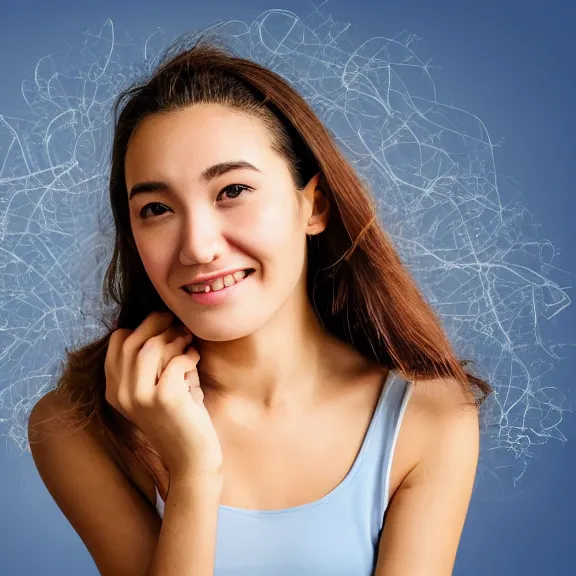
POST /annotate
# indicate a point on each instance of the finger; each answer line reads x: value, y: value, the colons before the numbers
x: 175, y: 340
x: 143, y: 353
x: 115, y: 345
x: 153, y: 325
x: 123, y: 383
x: 148, y: 367
x: 113, y: 366
x: 193, y: 354
x: 192, y: 378
x: 152, y: 359
x: 173, y: 381
x: 196, y: 393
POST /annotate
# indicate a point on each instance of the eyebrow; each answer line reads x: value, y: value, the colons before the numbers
x: 207, y: 175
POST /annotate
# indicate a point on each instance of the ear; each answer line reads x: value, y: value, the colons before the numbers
x: 318, y: 207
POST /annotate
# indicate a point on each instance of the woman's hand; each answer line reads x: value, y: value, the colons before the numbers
x: 151, y: 379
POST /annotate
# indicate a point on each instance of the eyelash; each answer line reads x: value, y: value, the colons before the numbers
x: 224, y: 190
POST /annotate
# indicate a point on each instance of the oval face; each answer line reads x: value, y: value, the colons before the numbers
x: 214, y: 207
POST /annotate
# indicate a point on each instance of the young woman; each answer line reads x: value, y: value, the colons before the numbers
x: 277, y: 398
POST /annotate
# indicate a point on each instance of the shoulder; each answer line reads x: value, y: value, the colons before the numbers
x: 444, y: 418
x: 119, y: 528
x: 440, y: 399
x: 54, y: 428
x: 441, y: 437
x: 53, y: 415
x: 54, y: 418
x: 440, y: 417
x: 442, y: 403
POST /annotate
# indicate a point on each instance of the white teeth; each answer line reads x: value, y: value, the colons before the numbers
x: 229, y: 280
x: 239, y: 275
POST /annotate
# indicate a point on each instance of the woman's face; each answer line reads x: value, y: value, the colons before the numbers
x: 218, y: 201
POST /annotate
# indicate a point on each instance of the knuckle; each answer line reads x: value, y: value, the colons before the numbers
x: 127, y: 344
x: 121, y: 399
x: 165, y: 394
x: 172, y: 372
x: 173, y: 363
x: 121, y: 334
x: 140, y: 398
x: 152, y: 345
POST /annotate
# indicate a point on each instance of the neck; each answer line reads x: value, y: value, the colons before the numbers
x: 281, y: 365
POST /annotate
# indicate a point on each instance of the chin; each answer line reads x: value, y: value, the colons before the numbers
x: 225, y: 331
x: 221, y: 335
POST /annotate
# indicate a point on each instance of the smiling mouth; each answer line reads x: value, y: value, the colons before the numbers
x: 219, y: 283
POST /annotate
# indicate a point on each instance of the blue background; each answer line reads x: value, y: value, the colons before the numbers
x: 510, y: 64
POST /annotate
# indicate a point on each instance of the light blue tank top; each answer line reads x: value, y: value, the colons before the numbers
x: 336, y: 535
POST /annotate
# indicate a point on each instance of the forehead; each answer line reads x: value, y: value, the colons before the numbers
x: 197, y: 137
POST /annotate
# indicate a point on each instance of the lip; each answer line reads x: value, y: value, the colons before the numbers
x: 213, y: 276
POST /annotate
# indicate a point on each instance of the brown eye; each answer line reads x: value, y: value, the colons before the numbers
x: 144, y: 212
x: 232, y: 191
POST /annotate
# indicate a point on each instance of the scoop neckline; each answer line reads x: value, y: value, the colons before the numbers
x: 376, y: 415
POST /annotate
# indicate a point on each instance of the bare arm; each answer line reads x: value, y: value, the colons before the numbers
x: 121, y: 530
x: 426, y: 515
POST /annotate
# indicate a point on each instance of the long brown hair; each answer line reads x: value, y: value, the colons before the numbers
x: 360, y: 289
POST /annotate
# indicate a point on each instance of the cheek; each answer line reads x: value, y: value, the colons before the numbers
x: 154, y: 259
x: 273, y: 225
x: 275, y: 239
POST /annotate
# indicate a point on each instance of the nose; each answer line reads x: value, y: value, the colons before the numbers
x: 202, y: 239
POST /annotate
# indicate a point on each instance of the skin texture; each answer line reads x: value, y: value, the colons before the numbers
x: 284, y: 396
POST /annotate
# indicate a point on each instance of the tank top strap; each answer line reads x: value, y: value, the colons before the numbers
x: 372, y: 481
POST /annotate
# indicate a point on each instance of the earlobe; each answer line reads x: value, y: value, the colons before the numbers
x: 319, y: 220
x: 320, y: 205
